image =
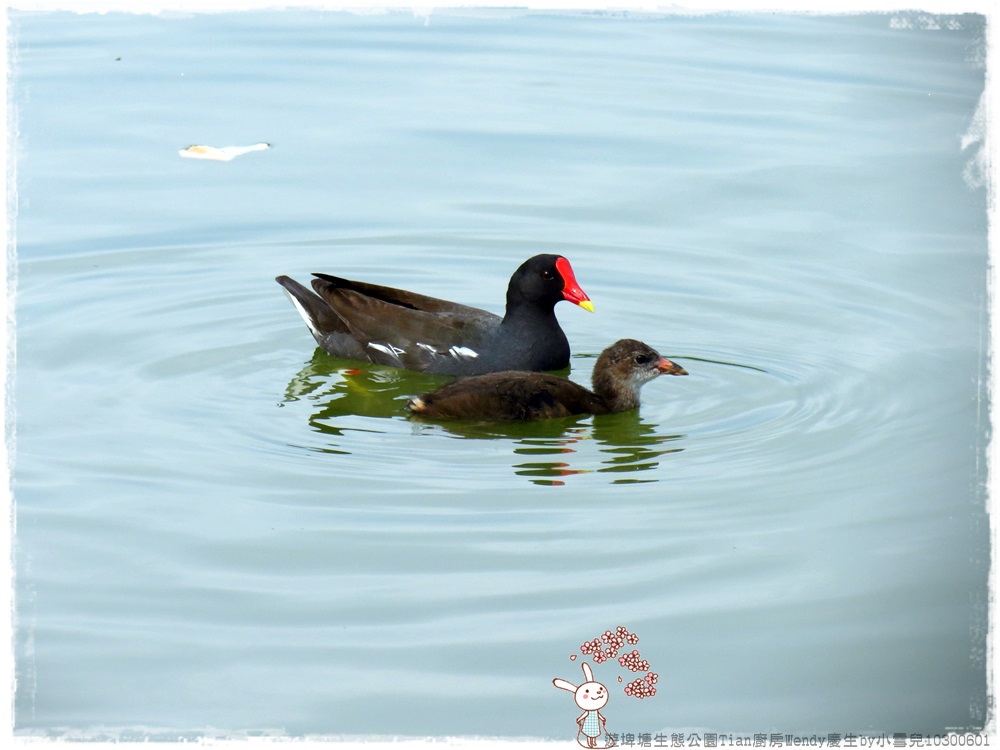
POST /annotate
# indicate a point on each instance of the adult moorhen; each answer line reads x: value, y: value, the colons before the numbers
x: 621, y: 370
x: 356, y: 320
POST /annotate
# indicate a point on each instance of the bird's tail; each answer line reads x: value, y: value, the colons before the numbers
x: 320, y: 319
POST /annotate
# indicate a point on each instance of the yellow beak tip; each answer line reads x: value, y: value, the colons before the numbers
x: 587, y: 305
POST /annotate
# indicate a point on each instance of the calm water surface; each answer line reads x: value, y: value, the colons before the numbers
x: 221, y: 531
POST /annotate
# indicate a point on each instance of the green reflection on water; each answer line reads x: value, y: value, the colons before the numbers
x: 339, y: 388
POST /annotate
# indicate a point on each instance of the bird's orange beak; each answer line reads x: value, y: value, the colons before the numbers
x: 666, y: 367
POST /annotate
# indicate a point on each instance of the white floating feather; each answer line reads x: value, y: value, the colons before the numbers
x: 221, y: 153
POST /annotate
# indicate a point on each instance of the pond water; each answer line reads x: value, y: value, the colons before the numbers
x: 220, y: 531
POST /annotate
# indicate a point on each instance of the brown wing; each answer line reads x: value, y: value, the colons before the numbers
x: 402, y: 329
x: 508, y: 396
x: 328, y: 287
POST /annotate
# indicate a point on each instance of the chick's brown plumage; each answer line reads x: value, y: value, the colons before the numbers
x: 621, y: 370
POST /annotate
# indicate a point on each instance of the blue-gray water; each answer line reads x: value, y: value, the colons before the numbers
x: 221, y: 531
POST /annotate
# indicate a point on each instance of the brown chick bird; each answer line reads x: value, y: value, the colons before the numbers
x: 621, y: 370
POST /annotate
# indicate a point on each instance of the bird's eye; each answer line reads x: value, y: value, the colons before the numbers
x: 548, y: 275
x: 643, y: 359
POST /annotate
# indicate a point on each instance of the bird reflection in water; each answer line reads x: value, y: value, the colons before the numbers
x: 627, y: 444
x: 340, y: 388
x: 548, y: 451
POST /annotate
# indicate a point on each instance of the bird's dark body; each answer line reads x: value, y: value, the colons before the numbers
x: 368, y: 322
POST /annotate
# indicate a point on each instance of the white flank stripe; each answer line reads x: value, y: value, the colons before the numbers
x: 392, y: 351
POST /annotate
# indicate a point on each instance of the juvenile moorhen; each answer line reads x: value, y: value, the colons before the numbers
x: 621, y: 370
x: 357, y: 320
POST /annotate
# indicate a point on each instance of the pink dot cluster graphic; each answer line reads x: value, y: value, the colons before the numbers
x: 609, y: 645
x: 633, y: 662
x: 642, y: 687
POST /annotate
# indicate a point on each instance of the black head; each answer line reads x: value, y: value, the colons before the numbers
x: 543, y: 281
